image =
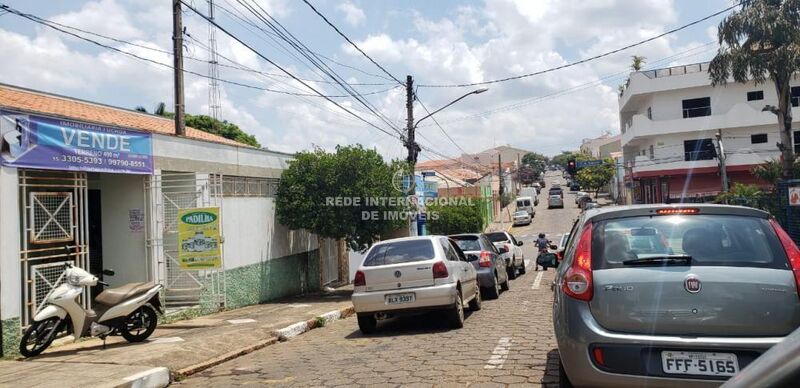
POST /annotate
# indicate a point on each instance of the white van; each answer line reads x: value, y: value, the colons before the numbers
x: 526, y: 204
x: 530, y: 192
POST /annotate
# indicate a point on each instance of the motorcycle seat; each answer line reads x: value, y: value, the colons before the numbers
x: 112, y: 296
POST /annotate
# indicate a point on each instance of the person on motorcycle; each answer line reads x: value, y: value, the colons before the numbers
x: 543, y: 244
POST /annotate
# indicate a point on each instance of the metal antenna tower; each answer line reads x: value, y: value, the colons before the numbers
x: 214, y: 108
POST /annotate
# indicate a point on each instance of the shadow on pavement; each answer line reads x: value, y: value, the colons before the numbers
x: 550, y: 378
x: 416, y: 324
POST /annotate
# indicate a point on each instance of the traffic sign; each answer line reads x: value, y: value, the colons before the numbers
x: 589, y: 163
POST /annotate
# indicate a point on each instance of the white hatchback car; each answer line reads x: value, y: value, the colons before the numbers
x: 414, y: 274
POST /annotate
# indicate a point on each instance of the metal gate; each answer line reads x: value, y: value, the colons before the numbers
x: 328, y: 260
x: 167, y: 193
x: 54, y: 232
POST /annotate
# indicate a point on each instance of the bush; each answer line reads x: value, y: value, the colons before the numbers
x: 464, y: 217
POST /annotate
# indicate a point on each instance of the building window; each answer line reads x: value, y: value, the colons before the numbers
x: 796, y: 96
x: 238, y: 186
x: 755, y: 96
x: 652, y: 155
x: 796, y: 142
x: 697, y: 107
x: 758, y: 138
x: 650, y: 112
x: 701, y: 149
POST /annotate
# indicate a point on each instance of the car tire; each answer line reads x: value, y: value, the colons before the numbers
x: 367, y: 323
x: 475, y: 303
x: 504, y: 285
x: 512, y: 270
x: 493, y: 292
x: 563, y: 380
x: 522, y: 267
x: 456, y: 313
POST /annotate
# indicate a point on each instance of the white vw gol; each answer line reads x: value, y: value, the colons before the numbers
x: 411, y: 275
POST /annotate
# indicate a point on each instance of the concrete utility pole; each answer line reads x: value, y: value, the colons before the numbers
x: 721, y: 155
x: 411, y: 144
x: 500, y: 175
x: 177, y: 51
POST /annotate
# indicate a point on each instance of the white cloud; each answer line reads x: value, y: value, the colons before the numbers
x: 352, y: 14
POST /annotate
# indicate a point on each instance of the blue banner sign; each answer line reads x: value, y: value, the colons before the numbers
x: 588, y: 163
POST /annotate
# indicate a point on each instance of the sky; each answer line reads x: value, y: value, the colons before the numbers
x: 441, y: 42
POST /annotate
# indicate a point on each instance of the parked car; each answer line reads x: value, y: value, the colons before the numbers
x: 574, y: 186
x: 580, y: 194
x: 681, y: 295
x: 561, y: 246
x: 582, y: 201
x: 526, y: 204
x: 487, y: 261
x: 522, y: 218
x: 515, y: 258
x: 413, y: 274
x: 555, y: 200
x: 537, y: 186
x: 590, y: 205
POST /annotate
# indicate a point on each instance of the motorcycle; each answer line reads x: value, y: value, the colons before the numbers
x: 545, y: 258
x: 129, y: 311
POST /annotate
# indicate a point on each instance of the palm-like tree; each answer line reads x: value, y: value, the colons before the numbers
x: 638, y: 62
x: 159, y: 110
x: 761, y: 41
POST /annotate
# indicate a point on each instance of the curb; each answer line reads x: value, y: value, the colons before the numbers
x: 279, y: 335
x: 152, y: 378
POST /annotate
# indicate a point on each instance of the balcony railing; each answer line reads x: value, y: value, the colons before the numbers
x: 676, y: 70
x: 696, y: 112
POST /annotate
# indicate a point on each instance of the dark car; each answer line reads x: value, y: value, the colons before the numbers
x: 488, y: 261
x: 574, y: 186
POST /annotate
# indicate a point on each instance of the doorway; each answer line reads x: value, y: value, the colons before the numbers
x: 95, y: 229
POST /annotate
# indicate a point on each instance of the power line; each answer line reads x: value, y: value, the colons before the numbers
x: 439, y: 125
x: 352, y: 43
x: 571, y: 64
x: 226, y: 32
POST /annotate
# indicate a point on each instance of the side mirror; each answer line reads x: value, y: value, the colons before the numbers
x: 519, y: 243
x: 503, y: 249
x: 108, y: 272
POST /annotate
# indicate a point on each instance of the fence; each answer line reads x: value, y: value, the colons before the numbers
x: 777, y: 204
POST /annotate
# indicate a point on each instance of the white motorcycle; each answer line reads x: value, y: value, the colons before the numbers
x: 129, y: 310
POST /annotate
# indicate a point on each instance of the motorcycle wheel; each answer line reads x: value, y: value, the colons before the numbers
x: 139, y: 324
x: 39, y: 336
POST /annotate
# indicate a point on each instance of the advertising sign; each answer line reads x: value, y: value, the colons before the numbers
x: 30, y: 141
x: 794, y: 196
x: 199, y: 238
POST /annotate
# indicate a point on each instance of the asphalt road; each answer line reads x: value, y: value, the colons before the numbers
x: 509, y: 342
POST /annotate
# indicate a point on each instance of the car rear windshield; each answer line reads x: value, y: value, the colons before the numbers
x: 498, y: 236
x: 523, y: 203
x: 710, y: 240
x: 400, y: 252
x: 467, y: 243
x: 520, y: 214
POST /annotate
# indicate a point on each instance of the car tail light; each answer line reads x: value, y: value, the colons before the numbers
x: 598, y: 356
x: 360, y: 280
x: 485, y: 259
x: 440, y: 270
x: 679, y: 210
x: 792, y: 252
x: 578, y: 279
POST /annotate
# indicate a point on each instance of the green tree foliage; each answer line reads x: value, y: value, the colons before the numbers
x: 597, y: 177
x: 565, y: 156
x: 772, y: 170
x: 536, y: 161
x: 309, y: 188
x: 740, y: 193
x: 637, y: 62
x: 465, y: 216
x: 758, y: 42
x: 207, y: 124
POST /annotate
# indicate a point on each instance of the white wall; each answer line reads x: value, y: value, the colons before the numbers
x: 123, y: 249
x: 10, y: 299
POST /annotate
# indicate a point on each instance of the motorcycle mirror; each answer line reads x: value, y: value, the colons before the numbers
x: 108, y: 272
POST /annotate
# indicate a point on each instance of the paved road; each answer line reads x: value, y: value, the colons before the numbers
x: 509, y: 342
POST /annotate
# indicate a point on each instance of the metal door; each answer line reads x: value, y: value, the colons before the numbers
x: 166, y: 193
x: 329, y: 260
x: 54, y: 232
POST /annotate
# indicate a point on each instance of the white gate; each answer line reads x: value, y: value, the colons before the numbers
x: 328, y: 260
x: 54, y: 231
x: 166, y: 194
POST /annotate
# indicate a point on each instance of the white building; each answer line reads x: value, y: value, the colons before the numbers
x: 669, y: 118
x: 601, y: 147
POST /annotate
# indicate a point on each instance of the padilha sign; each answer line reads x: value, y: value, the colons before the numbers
x: 30, y: 141
x: 199, y: 238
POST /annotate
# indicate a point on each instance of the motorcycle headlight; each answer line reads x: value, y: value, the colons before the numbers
x: 74, y: 279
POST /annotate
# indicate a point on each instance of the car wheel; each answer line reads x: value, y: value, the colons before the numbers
x: 475, y: 303
x: 563, y: 380
x: 493, y: 292
x: 512, y: 270
x: 367, y: 323
x: 522, y: 267
x: 456, y: 314
x: 504, y: 285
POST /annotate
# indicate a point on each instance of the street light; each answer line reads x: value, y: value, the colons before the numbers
x: 477, y: 91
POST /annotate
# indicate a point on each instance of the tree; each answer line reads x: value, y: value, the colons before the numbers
x: 462, y: 216
x: 347, y: 195
x: 772, y: 170
x: 741, y: 194
x: 536, y: 161
x: 638, y: 62
x: 597, y: 177
x: 207, y: 124
x: 760, y: 41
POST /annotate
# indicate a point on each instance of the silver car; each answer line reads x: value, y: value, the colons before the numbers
x: 555, y: 200
x: 413, y: 274
x: 660, y: 295
x: 522, y: 217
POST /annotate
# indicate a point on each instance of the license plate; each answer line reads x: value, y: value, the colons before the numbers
x: 699, y: 363
x: 401, y: 298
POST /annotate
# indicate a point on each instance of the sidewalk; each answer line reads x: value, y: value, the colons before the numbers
x: 505, y: 217
x: 183, y: 347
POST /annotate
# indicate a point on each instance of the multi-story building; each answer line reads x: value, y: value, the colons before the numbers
x: 669, y: 120
x: 601, y: 147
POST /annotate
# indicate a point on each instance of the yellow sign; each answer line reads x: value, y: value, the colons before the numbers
x: 199, y: 238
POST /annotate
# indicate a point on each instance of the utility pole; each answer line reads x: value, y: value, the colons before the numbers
x: 177, y: 51
x: 500, y: 175
x: 721, y: 155
x: 411, y: 144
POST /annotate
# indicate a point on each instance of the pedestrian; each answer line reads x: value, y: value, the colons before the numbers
x: 543, y: 244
